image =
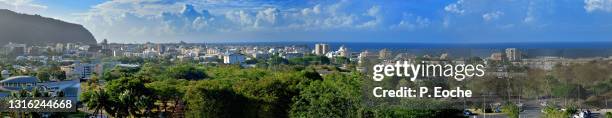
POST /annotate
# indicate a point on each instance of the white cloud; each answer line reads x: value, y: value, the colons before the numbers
x: 240, y: 17
x: 410, y: 22
x: 492, y: 15
x: 455, y: 7
x: 145, y: 19
x: 594, y: 5
x: 529, y: 16
x: 374, y: 12
x: 314, y: 10
x: 23, y: 6
x: 267, y: 16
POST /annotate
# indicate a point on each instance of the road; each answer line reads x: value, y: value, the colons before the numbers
x: 532, y: 109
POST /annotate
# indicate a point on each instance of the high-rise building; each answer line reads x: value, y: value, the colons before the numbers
x: 512, y: 54
x: 59, y: 47
x: 321, y: 49
x: 17, y: 49
x: 104, y: 44
x: 344, y: 52
x: 160, y: 48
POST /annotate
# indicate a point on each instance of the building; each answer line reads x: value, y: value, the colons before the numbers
x: 384, y: 54
x: 71, y: 88
x: 17, y: 49
x: 5, y: 74
x: 261, y: 55
x: 28, y: 83
x: 292, y: 55
x: 18, y: 83
x: 321, y: 49
x: 233, y: 58
x: 512, y: 54
x: 496, y: 56
x: 365, y: 56
x: 78, y: 70
x: 160, y: 48
x: 444, y: 56
x: 212, y: 51
x: 344, y: 52
x: 59, y: 47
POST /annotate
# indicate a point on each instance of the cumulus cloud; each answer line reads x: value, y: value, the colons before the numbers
x: 594, y: 5
x: 240, y: 17
x: 492, y: 15
x: 145, y: 19
x: 23, y: 6
x: 373, y: 12
x: 455, y: 7
x: 411, y: 22
x: 267, y: 16
x: 314, y: 10
x: 529, y: 16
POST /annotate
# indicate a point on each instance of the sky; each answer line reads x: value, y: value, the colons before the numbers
x: 423, y: 21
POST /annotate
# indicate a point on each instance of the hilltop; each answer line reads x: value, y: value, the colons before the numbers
x: 36, y: 29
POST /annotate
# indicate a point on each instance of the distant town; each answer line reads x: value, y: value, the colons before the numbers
x: 70, y: 55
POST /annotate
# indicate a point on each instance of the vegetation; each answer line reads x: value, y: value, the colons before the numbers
x: 511, y: 110
x: 552, y: 112
x: 195, y: 90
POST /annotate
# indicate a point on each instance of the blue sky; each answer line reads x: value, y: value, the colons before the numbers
x: 455, y: 21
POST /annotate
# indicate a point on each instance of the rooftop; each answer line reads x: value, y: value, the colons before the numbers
x: 20, y: 79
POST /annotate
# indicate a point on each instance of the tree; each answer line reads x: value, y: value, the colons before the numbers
x: 276, y: 60
x: 185, y: 71
x: 123, y: 93
x: 97, y: 100
x: 150, y: 72
x: 118, y: 72
x: 341, y: 60
x: 213, y: 98
x: 166, y: 91
x: 335, y: 96
x: 43, y: 75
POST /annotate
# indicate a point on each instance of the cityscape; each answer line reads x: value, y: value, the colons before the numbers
x: 71, y: 69
x: 305, y: 59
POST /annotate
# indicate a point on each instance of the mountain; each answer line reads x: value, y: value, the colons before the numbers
x: 35, y: 29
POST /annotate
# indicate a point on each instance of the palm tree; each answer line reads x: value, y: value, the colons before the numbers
x: 146, y: 103
x: 36, y: 93
x: 127, y: 104
x: 97, y: 101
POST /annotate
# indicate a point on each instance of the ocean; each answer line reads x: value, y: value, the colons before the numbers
x: 558, y: 49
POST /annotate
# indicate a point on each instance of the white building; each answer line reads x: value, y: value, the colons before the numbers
x: 344, y: 52
x: 79, y: 70
x: 233, y: 58
x: 512, y: 54
x: 321, y: 49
